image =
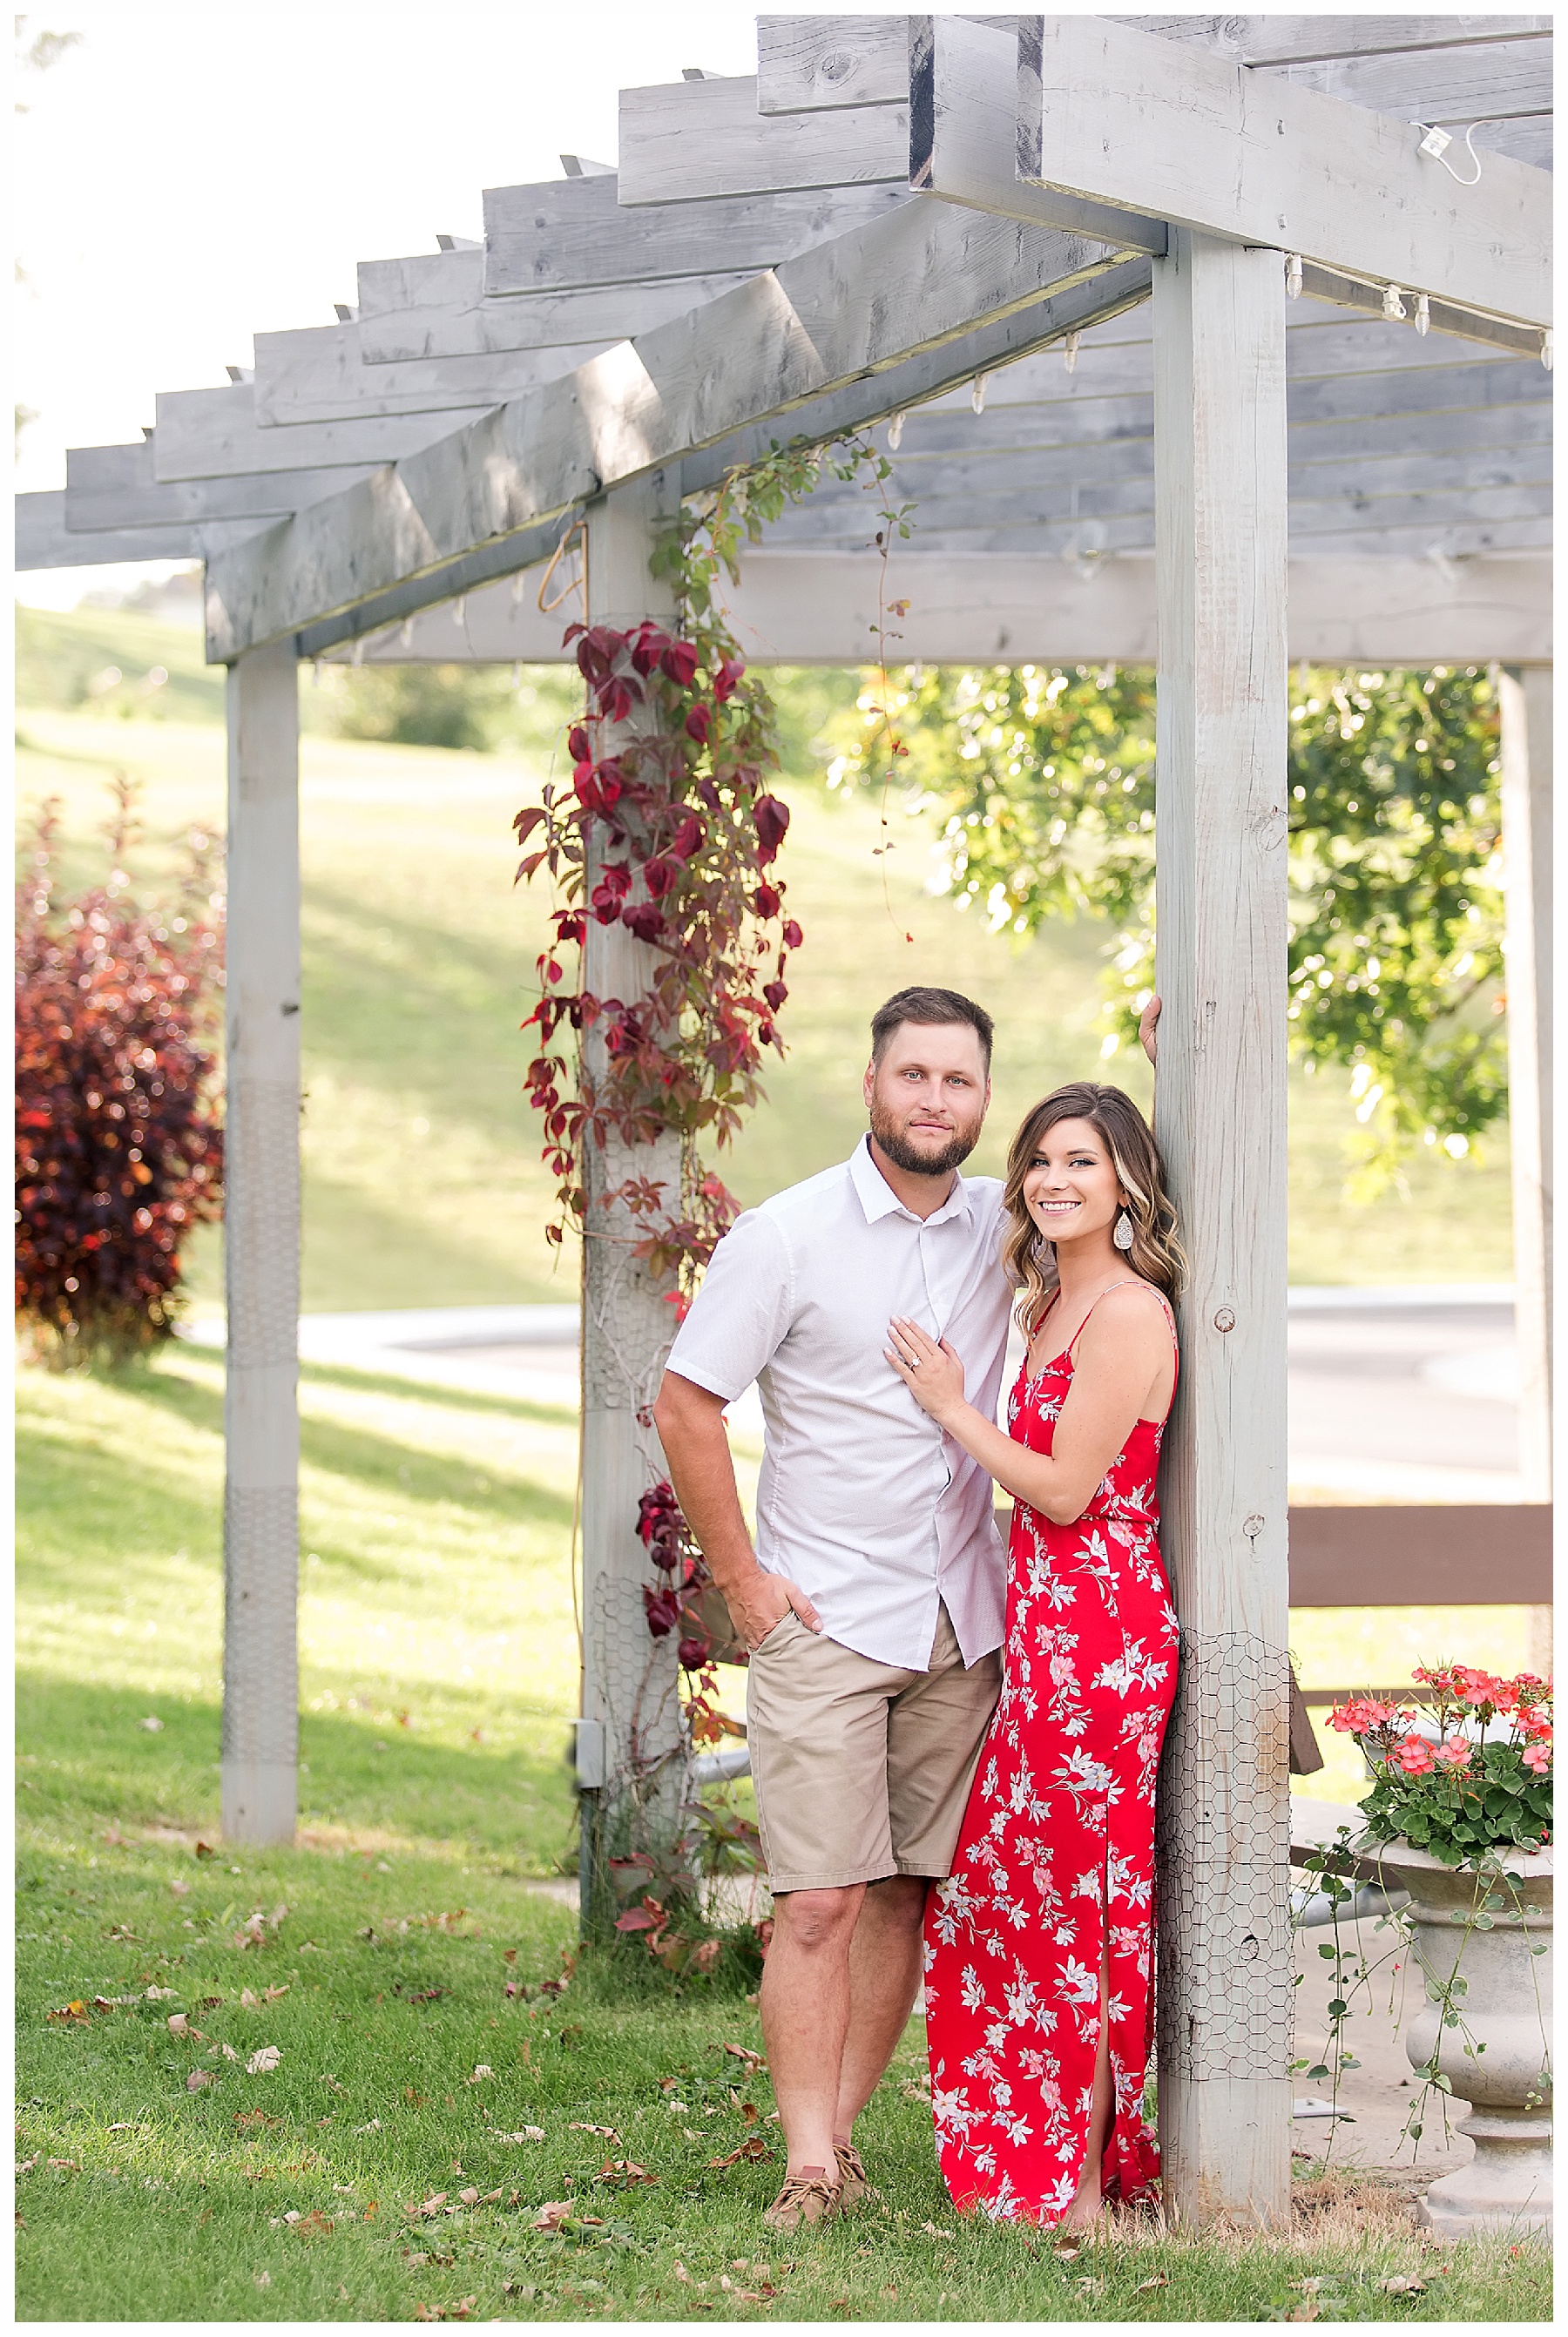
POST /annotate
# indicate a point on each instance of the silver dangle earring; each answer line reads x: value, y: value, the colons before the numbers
x: 1122, y: 1237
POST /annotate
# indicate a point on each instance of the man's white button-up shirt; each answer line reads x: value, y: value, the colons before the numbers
x: 863, y: 1501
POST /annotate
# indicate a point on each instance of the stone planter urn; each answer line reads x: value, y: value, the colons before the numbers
x: 1508, y: 2007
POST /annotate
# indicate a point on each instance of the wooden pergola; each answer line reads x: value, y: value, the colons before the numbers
x: 1193, y: 351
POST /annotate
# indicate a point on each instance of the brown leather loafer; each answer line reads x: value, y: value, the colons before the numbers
x: 852, y: 2185
x: 809, y: 2198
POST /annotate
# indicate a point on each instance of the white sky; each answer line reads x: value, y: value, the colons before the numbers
x: 192, y: 174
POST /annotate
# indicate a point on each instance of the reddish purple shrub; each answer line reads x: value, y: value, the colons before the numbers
x: 119, y: 1144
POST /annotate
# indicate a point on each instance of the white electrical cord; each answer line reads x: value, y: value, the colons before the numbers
x: 1434, y: 141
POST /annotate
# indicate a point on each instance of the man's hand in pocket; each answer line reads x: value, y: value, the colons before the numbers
x: 763, y: 1604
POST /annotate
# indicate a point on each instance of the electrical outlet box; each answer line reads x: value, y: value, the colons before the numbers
x: 589, y: 1754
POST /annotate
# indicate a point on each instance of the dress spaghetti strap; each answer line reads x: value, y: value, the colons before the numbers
x: 1128, y: 1282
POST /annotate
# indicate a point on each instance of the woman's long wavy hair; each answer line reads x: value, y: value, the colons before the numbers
x: 1029, y: 1260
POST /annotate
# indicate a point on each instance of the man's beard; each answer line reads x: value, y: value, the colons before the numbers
x: 890, y: 1135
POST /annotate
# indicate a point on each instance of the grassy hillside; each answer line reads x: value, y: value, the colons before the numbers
x: 421, y: 1182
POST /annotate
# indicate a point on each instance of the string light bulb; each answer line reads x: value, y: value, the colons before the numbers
x: 895, y: 434
x: 406, y: 632
x: 1293, y: 275
x: 518, y: 583
x: 1546, y: 351
x: 1423, y: 315
x: 460, y: 608
x: 1070, y: 352
x: 977, y: 392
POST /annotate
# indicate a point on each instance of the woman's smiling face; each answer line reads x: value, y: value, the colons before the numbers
x: 1072, y: 1189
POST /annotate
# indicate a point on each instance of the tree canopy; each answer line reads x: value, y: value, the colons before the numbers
x: 1040, y: 782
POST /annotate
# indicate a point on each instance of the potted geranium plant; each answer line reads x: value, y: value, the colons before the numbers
x: 1460, y: 1816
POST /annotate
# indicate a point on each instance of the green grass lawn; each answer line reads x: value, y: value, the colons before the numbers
x: 438, y: 1672
x: 422, y: 1181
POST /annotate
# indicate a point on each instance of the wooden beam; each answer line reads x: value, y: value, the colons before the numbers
x: 1465, y: 84
x: 1223, y: 1843
x: 213, y: 434
x: 1527, y: 142
x: 43, y: 540
x: 926, y: 278
x: 1526, y: 696
x: 261, y: 1253
x: 1289, y: 39
x: 1450, y: 1554
x: 692, y: 141
x: 824, y: 64
x: 572, y: 232
x: 319, y: 376
x: 118, y: 487
x: 431, y: 308
x: 963, y: 109
x: 630, y: 1682
x: 1460, y: 323
x: 964, y: 94
x: 1176, y: 132
x: 819, y: 608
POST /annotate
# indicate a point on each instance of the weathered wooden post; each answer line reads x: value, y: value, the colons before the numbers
x: 1526, y: 702
x: 262, y: 1251
x: 630, y: 1767
x: 1223, y: 1851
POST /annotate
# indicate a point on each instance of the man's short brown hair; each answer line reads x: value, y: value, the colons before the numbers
x: 926, y: 1006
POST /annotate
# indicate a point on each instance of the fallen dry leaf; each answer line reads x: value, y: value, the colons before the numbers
x: 1402, y: 2283
x: 470, y: 2196
x: 249, y: 1999
x: 205, y: 1850
x: 151, y: 1723
x: 178, y: 1886
x: 67, y: 2165
x: 265, y: 2058
x: 75, y: 2010
x: 753, y: 2061
x: 314, y: 2222
x: 608, y: 2132
x: 752, y: 2147
x: 197, y: 2078
x: 627, y: 2169
x: 1160, y: 2280
x: 554, y: 2212
x: 179, y: 2025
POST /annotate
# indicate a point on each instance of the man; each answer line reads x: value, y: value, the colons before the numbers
x: 873, y: 1602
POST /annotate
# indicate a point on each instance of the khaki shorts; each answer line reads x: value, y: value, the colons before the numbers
x: 862, y: 1769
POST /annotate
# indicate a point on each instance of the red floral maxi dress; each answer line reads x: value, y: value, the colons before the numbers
x: 1059, y: 1832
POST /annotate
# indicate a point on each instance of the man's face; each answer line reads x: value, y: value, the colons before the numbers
x: 927, y: 1097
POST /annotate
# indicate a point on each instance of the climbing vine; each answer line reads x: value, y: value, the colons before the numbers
x: 668, y: 828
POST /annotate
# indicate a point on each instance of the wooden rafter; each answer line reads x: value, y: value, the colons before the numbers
x: 1178, y: 133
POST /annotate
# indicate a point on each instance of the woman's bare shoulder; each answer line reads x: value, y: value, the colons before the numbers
x: 1132, y: 1310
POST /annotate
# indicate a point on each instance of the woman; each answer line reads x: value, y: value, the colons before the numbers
x: 1038, y: 1948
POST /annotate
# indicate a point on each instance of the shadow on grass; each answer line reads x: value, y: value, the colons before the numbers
x: 59, y: 1479
x: 502, y: 1407
x: 86, y: 1759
